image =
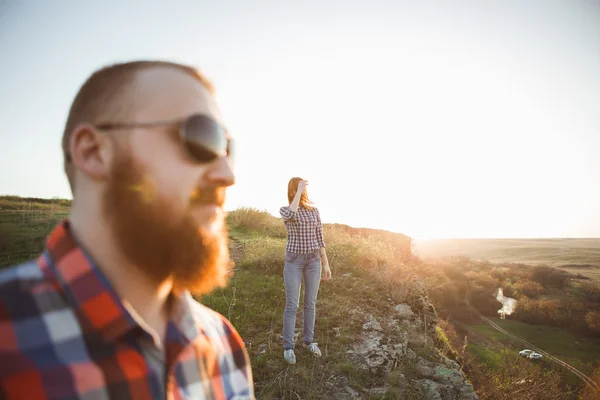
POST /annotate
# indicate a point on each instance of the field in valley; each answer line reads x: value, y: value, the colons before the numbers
x: 583, y: 353
x: 573, y: 255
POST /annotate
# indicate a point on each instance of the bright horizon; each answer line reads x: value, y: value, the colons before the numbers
x: 467, y: 120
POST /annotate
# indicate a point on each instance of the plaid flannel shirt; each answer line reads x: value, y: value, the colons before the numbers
x: 304, y: 228
x: 65, y: 334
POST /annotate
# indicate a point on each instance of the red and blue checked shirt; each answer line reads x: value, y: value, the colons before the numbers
x: 65, y: 334
x: 304, y: 228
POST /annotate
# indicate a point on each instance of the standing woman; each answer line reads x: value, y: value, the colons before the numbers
x: 304, y: 256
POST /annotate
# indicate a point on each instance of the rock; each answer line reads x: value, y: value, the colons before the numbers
x: 401, y: 347
x: 415, y: 325
x: 378, y: 391
x: 447, y: 375
x: 352, y: 393
x: 356, y: 311
x: 436, y: 391
x: 372, y: 324
x: 450, y: 384
x: 453, y: 364
x: 370, y: 344
x: 262, y: 348
x: 368, y: 352
x: 424, y: 368
x: 339, y: 389
x: 403, y: 311
x: 417, y: 340
x: 376, y: 360
x: 377, y: 352
x: 385, y: 342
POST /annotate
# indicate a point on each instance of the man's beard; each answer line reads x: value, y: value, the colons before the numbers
x: 160, y: 240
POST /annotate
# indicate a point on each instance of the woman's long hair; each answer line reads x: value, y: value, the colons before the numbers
x: 293, y: 188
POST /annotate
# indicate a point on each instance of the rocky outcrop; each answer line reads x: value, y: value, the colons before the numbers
x: 387, y: 345
x: 445, y: 382
x: 379, y: 350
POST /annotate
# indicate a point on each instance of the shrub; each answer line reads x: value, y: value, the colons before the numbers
x: 550, y: 277
x: 591, y: 291
x: 593, y: 320
x: 539, y: 311
x: 508, y: 289
x: 529, y: 288
x: 258, y: 221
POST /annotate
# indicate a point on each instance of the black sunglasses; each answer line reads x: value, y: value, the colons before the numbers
x: 203, y: 138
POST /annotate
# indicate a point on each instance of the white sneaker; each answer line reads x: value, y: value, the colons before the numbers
x: 289, y: 356
x: 313, y: 348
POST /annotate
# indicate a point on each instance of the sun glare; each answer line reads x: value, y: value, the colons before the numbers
x: 419, y: 150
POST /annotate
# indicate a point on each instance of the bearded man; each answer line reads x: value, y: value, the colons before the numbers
x: 106, y: 311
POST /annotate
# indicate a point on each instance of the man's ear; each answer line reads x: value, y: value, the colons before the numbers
x: 90, y: 151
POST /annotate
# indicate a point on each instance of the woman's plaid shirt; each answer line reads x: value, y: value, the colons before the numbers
x: 304, y: 228
x: 65, y: 334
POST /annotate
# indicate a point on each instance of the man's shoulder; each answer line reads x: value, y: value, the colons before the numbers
x: 32, y: 313
x: 25, y: 292
x: 20, y: 279
x: 234, y: 361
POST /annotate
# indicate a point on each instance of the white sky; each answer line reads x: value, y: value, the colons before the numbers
x: 436, y: 119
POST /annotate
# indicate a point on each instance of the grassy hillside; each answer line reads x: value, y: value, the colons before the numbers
x: 24, y: 223
x: 373, y: 272
x: 369, y: 279
x: 369, y: 276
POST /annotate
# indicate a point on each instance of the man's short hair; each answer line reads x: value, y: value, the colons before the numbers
x: 104, y: 96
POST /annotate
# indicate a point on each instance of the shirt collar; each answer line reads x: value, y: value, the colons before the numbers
x: 89, y: 292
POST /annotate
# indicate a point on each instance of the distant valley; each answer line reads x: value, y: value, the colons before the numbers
x: 573, y: 255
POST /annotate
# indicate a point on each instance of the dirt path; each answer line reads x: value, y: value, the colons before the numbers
x: 571, y: 368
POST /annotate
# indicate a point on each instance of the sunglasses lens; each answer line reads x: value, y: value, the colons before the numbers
x: 204, y: 138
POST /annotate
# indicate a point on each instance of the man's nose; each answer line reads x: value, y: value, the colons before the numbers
x: 221, y: 172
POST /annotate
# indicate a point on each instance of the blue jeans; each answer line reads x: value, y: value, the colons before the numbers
x: 298, y: 266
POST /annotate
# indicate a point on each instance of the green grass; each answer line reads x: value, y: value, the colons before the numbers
x: 31, y: 203
x: 580, y: 352
x: 484, y: 355
x: 583, y: 355
x: 490, y: 354
x: 488, y: 331
x: 254, y: 301
x: 24, y: 224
